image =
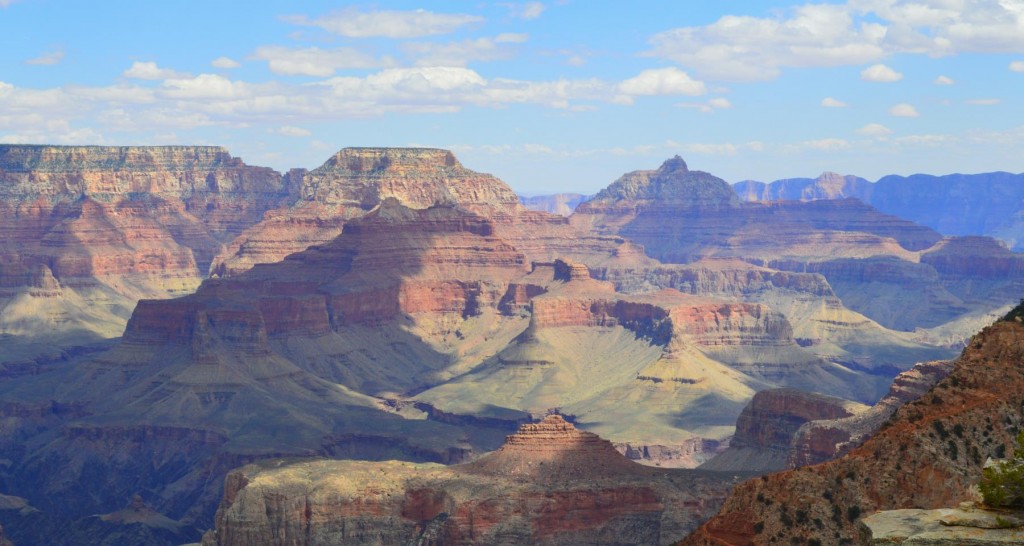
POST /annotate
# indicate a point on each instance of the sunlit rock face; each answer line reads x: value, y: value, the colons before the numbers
x: 86, y: 231
x: 549, y: 484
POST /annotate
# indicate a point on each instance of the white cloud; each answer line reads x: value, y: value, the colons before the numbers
x: 745, y: 48
x: 662, y: 81
x: 880, y: 73
x: 874, y: 130
x: 462, y: 53
x: 387, y: 24
x: 944, y: 80
x: 984, y: 102
x: 511, y: 38
x: 150, y: 71
x: 825, y: 144
x: 49, y: 58
x: 829, y: 102
x: 313, y: 61
x: 291, y: 131
x: 720, y: 103
x: 904, y: 110
x: 203, y: 86
x: 224, y: 62
x: 1017, y: 66
x: 529, y: 10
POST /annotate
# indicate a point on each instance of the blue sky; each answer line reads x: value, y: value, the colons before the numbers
x: 558, y: 95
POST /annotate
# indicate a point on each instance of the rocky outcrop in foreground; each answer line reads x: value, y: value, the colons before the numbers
x: 549, y: 484
x: 966, y: 525
x: 928, y: 455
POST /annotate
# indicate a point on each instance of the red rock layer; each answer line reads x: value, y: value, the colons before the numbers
x: 350, y: 184
x: 550, y: 484
x: 928, y: 456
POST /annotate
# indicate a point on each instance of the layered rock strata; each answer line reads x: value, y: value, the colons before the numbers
x: 549, y: 484
x: 765, y: 428
x: 929, y: 455
x: 86, y: 231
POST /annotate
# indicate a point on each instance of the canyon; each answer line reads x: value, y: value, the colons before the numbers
x: 393, y: 305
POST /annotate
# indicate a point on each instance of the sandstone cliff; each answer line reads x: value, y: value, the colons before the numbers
x: 86, y: 231
x: 549, y: 484
x: 353, y: 182
x: 928, y: 455
x: 766, y: 426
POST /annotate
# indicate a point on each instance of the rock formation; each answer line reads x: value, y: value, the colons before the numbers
x: 765, y: 428
x: 956, y: 204
x: 353, y: 182
x: 431, y: 315
x: 86, y: 231
x: 928, y: 455
x: 549, y: 484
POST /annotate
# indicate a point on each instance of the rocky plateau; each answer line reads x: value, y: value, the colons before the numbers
x: 395, y: 305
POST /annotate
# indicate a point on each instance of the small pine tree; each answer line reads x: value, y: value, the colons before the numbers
x: 1002, y: 484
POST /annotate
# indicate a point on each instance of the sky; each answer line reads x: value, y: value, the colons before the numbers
x: 550, y: 96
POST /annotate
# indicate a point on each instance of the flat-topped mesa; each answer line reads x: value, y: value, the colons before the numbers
x: 673, y: 183
x: 417, y: 177
x: 554, y: 450
x: 568, y: 271
x: 105, y: 171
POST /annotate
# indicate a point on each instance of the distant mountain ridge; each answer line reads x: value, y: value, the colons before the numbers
x: 954, y: 204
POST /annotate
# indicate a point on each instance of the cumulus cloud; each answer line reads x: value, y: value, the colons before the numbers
x: 1017, y: 66
x: 150, y: 71
x: 829, y: 102
x: 944, y: 80
x: 874, y: 130
x: 880, y: 73
x: 745, y: 48
x: 904, y: 110
x: 224, y: 62
x: 47, y: 59
x: 662, y: 81
x: 353, y: 23
x: 313, y: 61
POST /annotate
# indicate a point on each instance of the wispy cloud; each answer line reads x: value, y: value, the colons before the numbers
x: 464, y: 52
x: 313, y: 61
x: 527, y: 10
x: 944, y: 80
x: 47, y: 59
x: 1017, y: 66
x: 829, y: 102
x: 874, y: 130
x: 353, y: 23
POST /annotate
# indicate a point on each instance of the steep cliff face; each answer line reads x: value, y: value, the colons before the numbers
x: 353, y: 182
x: 827, y: 186
x: 87, y: 231
x: 766, y: 426
x: 927, y: 456
x: 549, y: 484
